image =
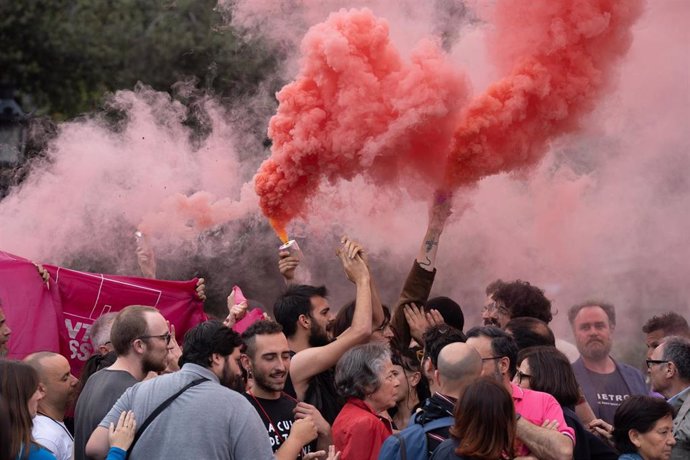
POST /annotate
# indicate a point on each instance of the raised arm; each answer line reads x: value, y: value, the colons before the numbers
x: 312, y: 361
x: 353, y: 248
x: 421, y: 277
x: 439, y: 213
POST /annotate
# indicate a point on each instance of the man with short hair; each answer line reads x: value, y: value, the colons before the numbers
x: 100, y: 333
x: 140, y: 337
x: 605, y: 382
x: 458, y: 364
x: 5, y: 333
x: 657, y: 328
x: 669, y: 374
x: 530, y: 332
x: 266, y: 359
x: 60, y: 388
x: 305, y: 315
x: 435, y: 339
x: 207, y: 419
x: 498, y: 353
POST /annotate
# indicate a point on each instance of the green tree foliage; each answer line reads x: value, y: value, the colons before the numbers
x: 63, y: 55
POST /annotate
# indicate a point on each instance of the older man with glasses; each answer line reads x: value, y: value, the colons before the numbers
x: 140, y: 337
x: 669, y: 374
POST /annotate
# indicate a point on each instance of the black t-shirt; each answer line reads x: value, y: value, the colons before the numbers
x: 278, y: 416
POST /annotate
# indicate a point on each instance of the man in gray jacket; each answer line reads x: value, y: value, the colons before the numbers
x: 207, y: 420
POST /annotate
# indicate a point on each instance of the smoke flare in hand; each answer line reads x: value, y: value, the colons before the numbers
x: 357, y: 107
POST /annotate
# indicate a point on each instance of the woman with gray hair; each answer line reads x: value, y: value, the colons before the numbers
x: 364, y: 376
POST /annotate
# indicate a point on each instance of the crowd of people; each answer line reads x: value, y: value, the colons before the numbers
x: 407, y: 381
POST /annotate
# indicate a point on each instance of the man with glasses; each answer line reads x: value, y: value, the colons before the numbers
x: 541, y: 427
x: 669, y: 374
x: 207, y: 419
x: 141, y: 338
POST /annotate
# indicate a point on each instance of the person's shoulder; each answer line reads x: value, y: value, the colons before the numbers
x: 40, y: 453
x: 628, y: 368
x: 446, y: 450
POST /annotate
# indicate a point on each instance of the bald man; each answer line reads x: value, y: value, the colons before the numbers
x: 458, y: 365
x: 60, y: 388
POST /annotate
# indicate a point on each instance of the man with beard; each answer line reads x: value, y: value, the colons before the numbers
x: 520, y: 299
x: 605, y: 382
x: 266, y: 358
x: 541, y: 428
x: 60, y: 388
x: 206, y: 419
x: 141, y: 338
x: 304, y: 314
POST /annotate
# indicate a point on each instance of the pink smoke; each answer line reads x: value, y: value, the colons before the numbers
x: 357, y: 107
x: 100, y: 185
x: 562, y: 55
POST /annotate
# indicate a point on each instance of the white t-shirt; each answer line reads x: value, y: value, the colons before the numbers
x: 54, y: 436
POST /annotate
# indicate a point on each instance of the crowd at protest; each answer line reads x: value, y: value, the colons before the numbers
x: 405, y: 381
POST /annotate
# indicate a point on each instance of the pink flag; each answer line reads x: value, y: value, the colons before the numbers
x: 58, y: 318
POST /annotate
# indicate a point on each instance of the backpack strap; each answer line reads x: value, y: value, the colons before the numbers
x: 160, y: 409
x: 438, y: 423
x: 403, y: 446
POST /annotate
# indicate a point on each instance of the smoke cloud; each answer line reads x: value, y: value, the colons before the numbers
x: 596, y: 207
x: 357, y: 108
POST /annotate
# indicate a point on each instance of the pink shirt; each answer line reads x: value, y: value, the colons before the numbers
x: 538, y: 407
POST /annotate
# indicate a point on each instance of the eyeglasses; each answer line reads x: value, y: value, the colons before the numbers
x: 495, y: 307
x: 382, y: 327
x: 656, y: 361
x: 521, y: 375
x: 491, y: 358
x: 167, y: 337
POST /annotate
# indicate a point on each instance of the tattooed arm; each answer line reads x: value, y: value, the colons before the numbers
x: 438, y: 215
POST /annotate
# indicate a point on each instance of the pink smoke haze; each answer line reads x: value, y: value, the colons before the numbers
x: 574, y: 149
x: 358, y: 108
x: 99, y: 184
x: 562, y: 55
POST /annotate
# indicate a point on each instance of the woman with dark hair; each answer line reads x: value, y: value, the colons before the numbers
x: 343, y: 320
x: 364, y: 375
x: 643, y: 429
x: 19, y: 388
x: 546, y: 369
x: 484, y: 426
x: 4, y: 431
x: 413, y: 389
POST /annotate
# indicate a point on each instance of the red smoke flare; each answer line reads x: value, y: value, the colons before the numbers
x: 357, y: 108
x: 562, y: 55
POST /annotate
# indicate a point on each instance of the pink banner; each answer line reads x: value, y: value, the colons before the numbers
x: 58, y: 318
